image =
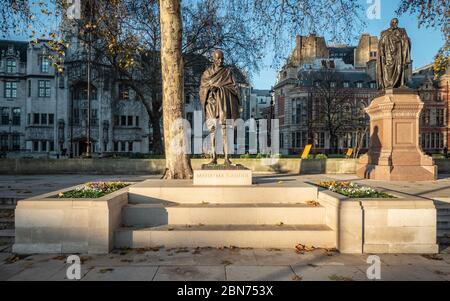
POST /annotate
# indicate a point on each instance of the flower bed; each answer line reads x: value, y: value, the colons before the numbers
x: 93, y: 190
x: 353, y: 190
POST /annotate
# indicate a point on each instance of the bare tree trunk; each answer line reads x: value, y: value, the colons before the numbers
x: 178, y: 165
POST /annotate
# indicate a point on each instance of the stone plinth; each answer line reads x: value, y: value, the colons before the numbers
x: 394, y: 151
x: 216, y: 175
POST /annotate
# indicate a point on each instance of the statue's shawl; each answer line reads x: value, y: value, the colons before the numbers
x: 383, y: 47
x: 227, y: 95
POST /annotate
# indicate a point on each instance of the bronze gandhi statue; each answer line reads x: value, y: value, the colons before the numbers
x: 394, y: 57
x: 219, y: 97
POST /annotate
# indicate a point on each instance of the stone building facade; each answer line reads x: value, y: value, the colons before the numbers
x: 295, y: 100
x: 434, y: 121
x: 44, y: 113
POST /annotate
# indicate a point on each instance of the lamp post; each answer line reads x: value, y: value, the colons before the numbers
x: 88, y: 122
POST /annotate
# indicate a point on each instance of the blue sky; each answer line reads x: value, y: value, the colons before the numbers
x: 425, y: 42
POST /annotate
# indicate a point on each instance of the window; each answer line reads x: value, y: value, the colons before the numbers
x: 299, y: 111
x: 76, y: 116
x: 84, y: 114
x: 43, y: 119
x: 124, y: 92
x: 282, y: 140
x: 299, y: 139
x: 373, y: 85
x: 187, y: 98
x: 44, y: 88
x: 123, y: 120
x: 35, y: 146
x: 116, y: 120
x: 45, y: 64
x: 137, y: 120
x: 51, y: 146
x: 29, y: 88
x: 432, y: 140
x: 15, y: 142
x: 16, y: 116
x: 10, y: 89
x: 94, y: 117
x: 346, y: 84
x: 359, y: 85
x: 5, y: 116
x: 319, y: 140
x: 4, y: 143
x: 36, y: 119
x: 130, y: 121
x: 116, y: 146
x: 426, y: 117
x: 122, y: 146
x: 130, y: 146
x: 44, y: 145
x: 333, y: 84
x: 29, y: 119
x: 440, y: 117
x: 51, y: 119
x: 11, y: 66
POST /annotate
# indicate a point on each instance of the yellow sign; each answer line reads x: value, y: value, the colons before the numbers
x: 306, y: 151
x: 349, y: 152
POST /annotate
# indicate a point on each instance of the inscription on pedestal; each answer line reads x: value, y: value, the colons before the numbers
x: 223, y: 177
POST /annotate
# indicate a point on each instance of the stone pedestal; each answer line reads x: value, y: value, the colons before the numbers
x: 394, y: 150
x: 218, y: 175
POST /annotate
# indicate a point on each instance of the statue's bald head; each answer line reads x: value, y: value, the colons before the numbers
x: 394, y: 23
x: 218, y: 58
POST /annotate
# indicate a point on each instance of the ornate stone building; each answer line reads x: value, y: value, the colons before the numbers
x: 44, y: 113
x: 296, y: 101
x: 434, y: 125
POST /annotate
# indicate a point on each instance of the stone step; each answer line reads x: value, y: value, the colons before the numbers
x: 183, y: 191
x: 252, y: 236
x: 222, y: 214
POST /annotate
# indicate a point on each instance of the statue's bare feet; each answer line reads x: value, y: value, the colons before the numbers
x: 227, y: 162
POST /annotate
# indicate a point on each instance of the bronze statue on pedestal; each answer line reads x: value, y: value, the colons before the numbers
x: 394, y: 57
x: 219, y: 97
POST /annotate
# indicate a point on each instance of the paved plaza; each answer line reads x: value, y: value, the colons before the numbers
x: 220, y: 263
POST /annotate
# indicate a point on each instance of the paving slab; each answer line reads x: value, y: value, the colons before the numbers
x: 38, y: 271
x: 259, y: 273
x: 190, y: 273
x: 215, y: 256
x: 409, y: 273
x: 121, y: 273
x: 10, y: 270
x: 331, y: 273
x: 287, y: 257
x: 412, y: 260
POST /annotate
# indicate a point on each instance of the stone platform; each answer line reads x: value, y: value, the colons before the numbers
x: 271, y: 213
